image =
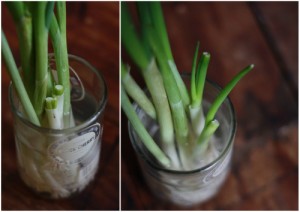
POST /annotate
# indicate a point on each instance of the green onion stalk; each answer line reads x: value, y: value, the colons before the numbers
x: 185, y: 131
x: 59, y: 42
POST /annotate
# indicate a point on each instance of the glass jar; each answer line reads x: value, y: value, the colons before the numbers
x: 60, y: 163
x: 189, y: 187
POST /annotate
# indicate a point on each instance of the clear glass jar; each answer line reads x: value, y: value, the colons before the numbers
x: 187, y: 188
x: 60, y: 163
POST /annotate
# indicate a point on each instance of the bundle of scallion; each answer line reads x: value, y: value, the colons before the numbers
x: 43, y: 93
x: 185, y: 131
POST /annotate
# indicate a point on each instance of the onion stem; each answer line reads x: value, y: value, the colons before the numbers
x: 200, y: 77
x: 160, y: 27
x: 41, y: 56
x: 224, y: 93
x: 52, y: 113
x: 59, y: 42
x: 136, y: 93
x: 23, y: 19
x: 141, y: 131
x: 58, y: 92
x: 131, y: 41
x: 17, y: 82
x: 207, y: 133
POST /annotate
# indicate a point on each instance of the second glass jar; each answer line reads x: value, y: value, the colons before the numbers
x: 187, y: 188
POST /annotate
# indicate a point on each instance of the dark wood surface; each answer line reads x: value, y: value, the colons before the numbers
x: 264, y: 174
x: 93, y: 34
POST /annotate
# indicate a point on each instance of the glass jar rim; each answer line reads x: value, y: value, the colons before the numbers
x: 205, y: 167
x: 86, y: 123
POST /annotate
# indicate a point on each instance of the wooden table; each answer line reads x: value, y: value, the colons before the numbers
x: 93, y: 34
x: 264, y: 174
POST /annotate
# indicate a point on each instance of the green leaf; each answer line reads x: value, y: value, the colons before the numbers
x: 49, y: 13
x: 224, y: 93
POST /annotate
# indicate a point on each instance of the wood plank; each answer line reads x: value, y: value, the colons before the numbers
x: 265, y: 107
x: 281, y: 34
x: 103, y: 195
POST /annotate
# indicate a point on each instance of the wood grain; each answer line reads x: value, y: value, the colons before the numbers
x: 93, y: 34
x: 264, y: 174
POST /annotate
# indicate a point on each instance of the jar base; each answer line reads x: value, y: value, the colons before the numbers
x: 56, y: 195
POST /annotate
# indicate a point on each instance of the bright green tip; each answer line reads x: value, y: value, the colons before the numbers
x: 58, y: 90
x: 51, y: 103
